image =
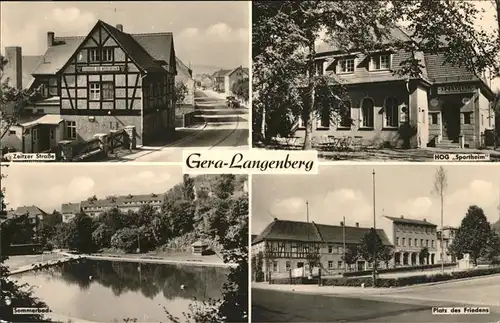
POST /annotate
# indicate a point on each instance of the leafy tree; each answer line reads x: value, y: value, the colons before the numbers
x: 49, y: 227
x: 24, y: 230
x: 257, y: 265
x: 180, y: 217
x: 386, y: 255
x: 224, y: 186
x: 423, y: 255
x: 371, y: 249
x: 180, y: 92
x: 350, y: 255
x: 492, y: 248
x: 188, y: 187
x: 101, y: 236
x: 126, y: 239
x: 473, y: 234
x: 241, y: 89
x: 77, y: 234
x: 113, y: 219
x: 145, y: 215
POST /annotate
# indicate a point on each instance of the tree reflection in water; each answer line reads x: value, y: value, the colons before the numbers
x: 149, y: 279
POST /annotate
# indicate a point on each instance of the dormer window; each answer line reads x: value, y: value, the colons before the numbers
x: 346, y: 65
x: 381, y: 62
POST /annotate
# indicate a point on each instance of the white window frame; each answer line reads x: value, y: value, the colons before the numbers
x: 343, y: 65
x: 94, y: 55
x: 377, y: 59
x: 361, y: 117
x: 94, y: 91
x: 71, y: 130
x: 330, y: 264
x: 394, y: 106
x: 107, y: 54
x: 438, y: 117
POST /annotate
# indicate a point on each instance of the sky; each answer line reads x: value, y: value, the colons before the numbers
x: 406, y: 190
x: 49, y: 185
x: 205, y: 32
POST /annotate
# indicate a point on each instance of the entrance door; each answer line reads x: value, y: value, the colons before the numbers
x: 451, y: 122
x: 361, y: 265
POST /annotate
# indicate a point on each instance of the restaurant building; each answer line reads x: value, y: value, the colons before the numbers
x: 447, y: 106
x: 409, y: 237
x: 285, y: 245
x: 105, y: 81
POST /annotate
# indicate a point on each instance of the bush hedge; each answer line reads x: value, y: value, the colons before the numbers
x: 391, y: 282
x: 396, y: 270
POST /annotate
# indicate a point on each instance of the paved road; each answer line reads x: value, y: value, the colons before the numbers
x: 227, y: 130
x: 405, y: 305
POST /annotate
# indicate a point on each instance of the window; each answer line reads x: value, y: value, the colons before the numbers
x: 391, y: 113
x: 482, y: 119
x: 381, y: 62
x: 346, y: 65
x: 404, y: 242
x: 94, y: 91
x: 288, y: 266
x: 330, y: 264
x: 467, y: 117
x: 101, y: 91
x: 409, y: 242
x: 427, y: 243
x: 339, y: 250
x: 71, y: 130
x: 432, y: 243
x: 324, y: 121
x: 397, y: 241
x: 94, y: 55
x: 345, y: 114
x: 97, y: 55
x: 416, y: 242
x: 108, y: 91
x: 300, y: 264
x: 434, y: 117
x: 339, y: 264
x: 330, y: 249
x: 275, y: 266
x: 12, y: 132
x: 367, y: 108
x: 319, y: 67
x: 107, y: 55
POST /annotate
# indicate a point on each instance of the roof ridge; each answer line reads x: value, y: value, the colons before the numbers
x: 163, y: 33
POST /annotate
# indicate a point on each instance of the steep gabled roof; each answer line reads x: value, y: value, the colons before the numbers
x: 184, y: 73
x: 410, y: 221
x: 143, y: 49
x: 313, y: 232
x: 31, y: 210
x: 221, y: 72
x: 70, y: 208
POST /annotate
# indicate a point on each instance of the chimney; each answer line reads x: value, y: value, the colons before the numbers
x: 50, y: 39
x: 425, y: 220
x: 402, y: 217
x: 14, y: 68
x: 341, y: 223
x: 119, y: 27
x: 357, y: 224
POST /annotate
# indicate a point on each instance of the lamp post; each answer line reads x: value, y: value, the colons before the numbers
x: 375, y: 260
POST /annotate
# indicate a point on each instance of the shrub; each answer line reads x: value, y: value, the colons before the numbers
x: 395, y: 270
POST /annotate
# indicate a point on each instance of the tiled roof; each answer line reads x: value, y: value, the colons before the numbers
x: 144, y: 49
x: 411, y: 221
x: 70, y: 208
x: 121, y: 200
x: 32, y: 210
x: 183, y: 72
x: 235, y: 69
x: 313, y: 232
x: 221, y: 72
x: 439, y: 72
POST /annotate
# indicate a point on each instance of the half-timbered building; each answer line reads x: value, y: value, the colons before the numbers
x: 286, y: 245
x: 104, y: 81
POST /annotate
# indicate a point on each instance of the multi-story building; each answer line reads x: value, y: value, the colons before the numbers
x: 287, y: 244
x: 444, y: 254
x: 446, y: 106
x: 409, y: 237
x: 90, y: 85
x: 35, y: 216
x: 225, y: 79
x: 94, y: 207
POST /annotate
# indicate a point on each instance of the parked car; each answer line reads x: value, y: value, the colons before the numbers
x: 232, y: 102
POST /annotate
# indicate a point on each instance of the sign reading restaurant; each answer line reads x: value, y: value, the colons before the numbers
x: 456, y: 88
x: 97, y: 69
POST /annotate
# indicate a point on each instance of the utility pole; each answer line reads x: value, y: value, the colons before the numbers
x: 374, y: 267
x: 343, y: 239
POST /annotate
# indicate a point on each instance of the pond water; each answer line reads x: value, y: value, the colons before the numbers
x: 111, y: 291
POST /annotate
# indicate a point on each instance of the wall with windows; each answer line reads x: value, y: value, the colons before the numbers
x: 80, y: 127
x: 373, y: 113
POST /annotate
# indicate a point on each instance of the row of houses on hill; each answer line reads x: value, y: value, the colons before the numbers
x: 89, y: 85
x: 224, y: 79
x: 125, y: 203
x: 286, y: 244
